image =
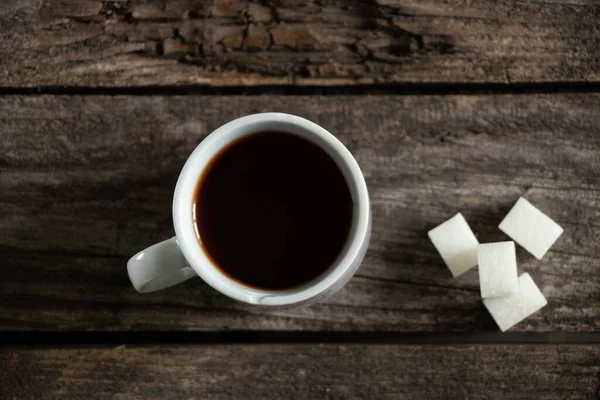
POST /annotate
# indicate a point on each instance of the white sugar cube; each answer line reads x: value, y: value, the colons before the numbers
x: 531, y: 228
x: 508, y: 311
x: 456, y: 243
x: 497, y: 269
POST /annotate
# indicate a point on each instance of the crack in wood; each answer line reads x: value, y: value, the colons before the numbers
x: 304, y: 43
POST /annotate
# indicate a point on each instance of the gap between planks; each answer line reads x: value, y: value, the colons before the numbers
x: 77, y: 339
x: 295, y: 90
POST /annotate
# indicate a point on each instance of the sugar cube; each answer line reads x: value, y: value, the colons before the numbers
x: 456, y: 243
x: 497, y: 269
x: 508, y: 311
x: 531, y: 228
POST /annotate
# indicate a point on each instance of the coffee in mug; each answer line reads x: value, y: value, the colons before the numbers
x: 272, y: 210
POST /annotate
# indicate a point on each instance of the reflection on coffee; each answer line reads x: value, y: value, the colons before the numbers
x: 272, y: 210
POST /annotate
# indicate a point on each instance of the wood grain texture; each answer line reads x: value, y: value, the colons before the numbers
x: 541, y: 372
x: 87, y: 181
x: 113, y: 43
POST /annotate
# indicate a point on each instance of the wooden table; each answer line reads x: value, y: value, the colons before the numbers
x: 447, y: 105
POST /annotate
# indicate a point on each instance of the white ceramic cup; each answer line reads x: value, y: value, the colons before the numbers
x: 181, y: 257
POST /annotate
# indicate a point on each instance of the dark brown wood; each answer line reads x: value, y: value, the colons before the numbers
x: 283, y: 42
x: 541, y: 372
x: 87, y: 181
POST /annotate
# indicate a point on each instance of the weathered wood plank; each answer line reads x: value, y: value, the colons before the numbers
x: 87, y: 181
x: 541, y: 372
x: 229, y: 42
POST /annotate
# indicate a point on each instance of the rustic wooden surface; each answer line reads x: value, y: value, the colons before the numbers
x: 87, y: 181
x: 91, y: 43
x: 541, y: 372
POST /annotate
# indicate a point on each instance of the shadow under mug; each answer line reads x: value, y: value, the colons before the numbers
x: 180, y: 258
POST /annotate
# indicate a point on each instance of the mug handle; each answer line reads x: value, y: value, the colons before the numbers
x: 158, y: 267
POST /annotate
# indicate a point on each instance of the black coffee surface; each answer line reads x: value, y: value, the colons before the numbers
x: 273, y: 210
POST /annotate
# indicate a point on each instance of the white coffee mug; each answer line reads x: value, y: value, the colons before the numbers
x: 181, y: 257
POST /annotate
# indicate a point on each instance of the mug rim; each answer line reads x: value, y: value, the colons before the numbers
x: 183, y: 207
